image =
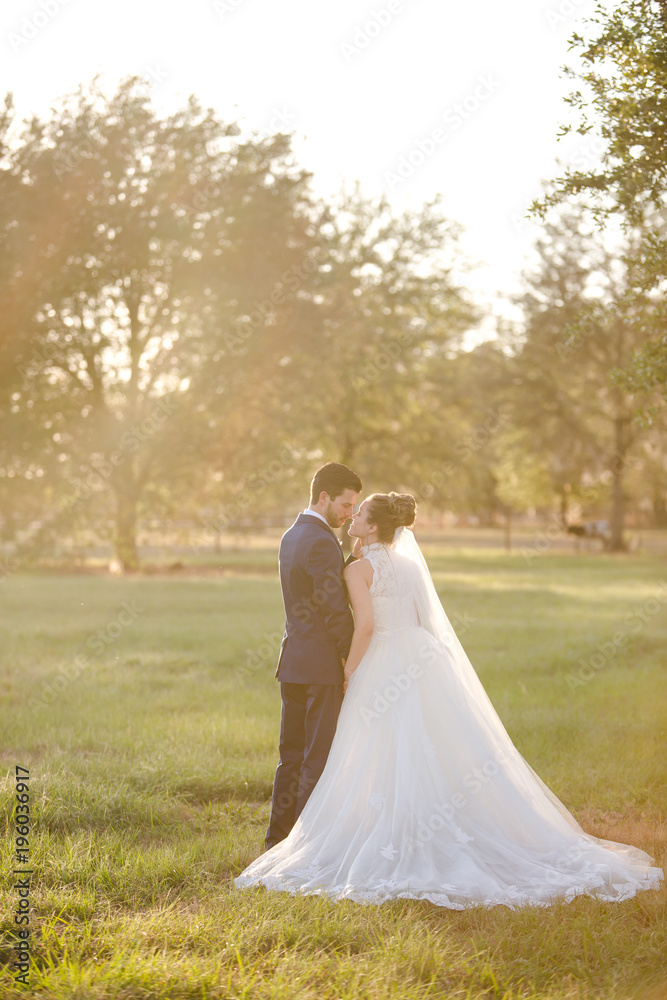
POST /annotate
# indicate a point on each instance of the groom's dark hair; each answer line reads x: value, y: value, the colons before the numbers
x: 333, y: 478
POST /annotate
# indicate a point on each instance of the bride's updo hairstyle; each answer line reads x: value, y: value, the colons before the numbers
x: 390, y: 511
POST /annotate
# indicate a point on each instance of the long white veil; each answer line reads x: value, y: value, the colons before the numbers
x: 462, y: 674
x: 434, y: 619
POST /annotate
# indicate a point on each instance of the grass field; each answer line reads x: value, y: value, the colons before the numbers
x: 151, y: 762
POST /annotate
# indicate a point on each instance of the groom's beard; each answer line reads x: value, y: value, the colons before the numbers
x: 335, y: 521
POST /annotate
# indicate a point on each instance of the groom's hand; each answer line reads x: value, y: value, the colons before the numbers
x: 356, y: 548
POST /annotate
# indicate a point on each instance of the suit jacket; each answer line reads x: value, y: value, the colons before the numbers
x: 319, y: 626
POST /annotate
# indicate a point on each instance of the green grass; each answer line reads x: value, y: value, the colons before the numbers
x: 151, y: 771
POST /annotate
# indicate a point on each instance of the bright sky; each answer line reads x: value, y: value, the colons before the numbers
x: 408, y: 97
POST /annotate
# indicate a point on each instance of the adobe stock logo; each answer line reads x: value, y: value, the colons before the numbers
x: 32, y: 25
x: 453, y: 118
x: 564, y: 11
x: 224, y: 7
x: 364, y: 34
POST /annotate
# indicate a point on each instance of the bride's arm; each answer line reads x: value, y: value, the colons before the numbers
x: 359, y: 577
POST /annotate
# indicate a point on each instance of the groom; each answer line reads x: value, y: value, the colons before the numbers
x: 316, y: 643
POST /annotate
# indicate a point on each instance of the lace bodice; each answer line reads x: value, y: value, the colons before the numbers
x: 393, y: 606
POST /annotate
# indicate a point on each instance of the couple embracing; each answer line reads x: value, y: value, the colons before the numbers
x: 397, y: 778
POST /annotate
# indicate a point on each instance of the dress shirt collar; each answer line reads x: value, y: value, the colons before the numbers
x: 314, y: 513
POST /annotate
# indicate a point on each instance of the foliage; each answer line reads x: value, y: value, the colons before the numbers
x: 622, y: 95
x: 581, y: 329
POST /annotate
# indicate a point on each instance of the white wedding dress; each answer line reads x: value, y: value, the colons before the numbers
x: 424, y: 796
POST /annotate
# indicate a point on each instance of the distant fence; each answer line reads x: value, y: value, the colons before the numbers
x: 43, y: 540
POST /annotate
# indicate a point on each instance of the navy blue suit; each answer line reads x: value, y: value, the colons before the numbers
x: 318, y: 634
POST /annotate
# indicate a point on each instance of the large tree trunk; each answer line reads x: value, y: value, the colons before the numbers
x: 617, y: 540
x: 659, y: 511
x: 8, y: 530
x: 126, y: 532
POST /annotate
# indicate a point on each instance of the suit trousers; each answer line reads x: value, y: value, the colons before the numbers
x: 307, y: 727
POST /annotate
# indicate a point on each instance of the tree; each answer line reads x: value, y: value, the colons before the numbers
x: 385, y: 312
x: 522, y: 477
x: 140, y: 247
x: 19, y: 474
x: 580, y: 329
x: 623, y: 96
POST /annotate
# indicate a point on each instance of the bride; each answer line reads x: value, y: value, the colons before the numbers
x: 424, y: 795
